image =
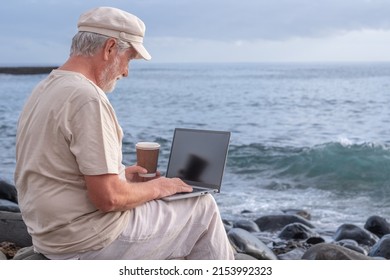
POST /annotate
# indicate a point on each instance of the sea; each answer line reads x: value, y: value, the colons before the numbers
x: 306, y: 136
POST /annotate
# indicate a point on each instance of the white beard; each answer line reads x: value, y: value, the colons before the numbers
x: 108, y: 84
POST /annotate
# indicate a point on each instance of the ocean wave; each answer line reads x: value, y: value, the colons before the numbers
x: 331, y: 165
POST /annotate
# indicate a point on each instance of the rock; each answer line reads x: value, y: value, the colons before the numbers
x: 13, y: 229
x: 246, y: 243
x: 28, y: 253
x: 351, y: 244
x: 377, y: 225
x: 241, y: 256
x: 8, y: 192
x: 299, y: 212
x: 277, y: 222
x: 381, y: 248
x: 250, y: 226
x: 8, y: 249
x: 2, y: 256
x: 9, y: 206
x: 326, y: 251
x: 246, y: 212
x: 350, y: 231
x: 227, y: 224
x: 315, y: 240
x: 295, y: 254
x: 296, y: 231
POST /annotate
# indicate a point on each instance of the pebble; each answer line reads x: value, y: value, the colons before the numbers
x: 286, y: 236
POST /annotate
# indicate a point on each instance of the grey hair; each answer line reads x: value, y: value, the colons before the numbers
x: 88, y: 43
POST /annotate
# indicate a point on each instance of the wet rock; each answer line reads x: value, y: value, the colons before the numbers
x: 381, y: 248
x: 295, y: 254
x: 28, y: 253
x: 351, y: 244
x: 326, y: 251
x: 248, y: 225
x: 246, y: 243
x: 377, y: 225
x: 315, y: 240
x: 296, y: 231
x: 8, y: 192
x: 241, y: 256
x: 227, y: 224
x: 277, y: 222
x: 13, y: 229
x: 8, y: 249
x: 299, y: 212
x: 350, y: 231
x: 9, y: 206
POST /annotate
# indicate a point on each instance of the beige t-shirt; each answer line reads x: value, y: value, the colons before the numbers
x: 66, y: 130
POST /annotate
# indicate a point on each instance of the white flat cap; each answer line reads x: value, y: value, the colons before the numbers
x: 116, y: 23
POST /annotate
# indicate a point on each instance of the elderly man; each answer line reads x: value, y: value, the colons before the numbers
x: 76, y: 197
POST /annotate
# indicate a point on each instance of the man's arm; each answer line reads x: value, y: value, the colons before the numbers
x: 109, y: 193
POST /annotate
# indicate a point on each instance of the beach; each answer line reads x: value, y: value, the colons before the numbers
x: 311, y: 137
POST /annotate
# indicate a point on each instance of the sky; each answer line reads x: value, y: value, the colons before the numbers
x: 39, y: 32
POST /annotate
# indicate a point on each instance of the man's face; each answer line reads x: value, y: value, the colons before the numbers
x: 117, y: 69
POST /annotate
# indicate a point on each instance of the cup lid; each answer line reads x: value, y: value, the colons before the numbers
x: 147, y: 145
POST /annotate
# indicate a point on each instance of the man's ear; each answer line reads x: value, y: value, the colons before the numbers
x: 109, y: 48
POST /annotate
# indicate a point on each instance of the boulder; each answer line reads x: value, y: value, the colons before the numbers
x: 381, y: 248
x: 296, y: 231
x: 360, y: 235
x: 228, y: 225
x: 13, y: 229
x: 8, y: 192
x: 241, y: 256
x: 28, y: 253
x: 248, y: 225
x: 9, y: 206
x: 294, y: 254
x: 326, y: 251
x: 377, y: 225
x: 299, y: 212
x: 277, y: 222
x: 246, y: 243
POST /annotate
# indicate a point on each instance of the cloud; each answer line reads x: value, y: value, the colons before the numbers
x: 261, y: 19
x: 366, y: 45
x: 209, y: 30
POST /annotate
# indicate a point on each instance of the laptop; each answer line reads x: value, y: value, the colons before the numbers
x: 198, y: 157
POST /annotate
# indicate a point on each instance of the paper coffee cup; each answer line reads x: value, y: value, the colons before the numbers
x: 147, y: 157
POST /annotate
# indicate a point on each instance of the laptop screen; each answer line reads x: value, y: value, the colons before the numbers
x: 198, y: 157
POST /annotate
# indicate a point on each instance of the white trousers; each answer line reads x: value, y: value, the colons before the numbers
x: 183, y: 229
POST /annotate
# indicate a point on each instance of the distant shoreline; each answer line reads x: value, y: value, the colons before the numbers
x: 27, y: 70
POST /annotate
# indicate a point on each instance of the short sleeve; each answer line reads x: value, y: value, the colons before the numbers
x: 96, y: 138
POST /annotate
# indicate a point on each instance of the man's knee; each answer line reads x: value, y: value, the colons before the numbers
x: 208, y: 203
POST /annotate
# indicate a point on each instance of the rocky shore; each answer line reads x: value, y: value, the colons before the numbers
x: 27, y: 70
x: 286, y: 235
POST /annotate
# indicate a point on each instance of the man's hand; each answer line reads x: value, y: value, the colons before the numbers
x: 169, y: 186
x: 131, y: 173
